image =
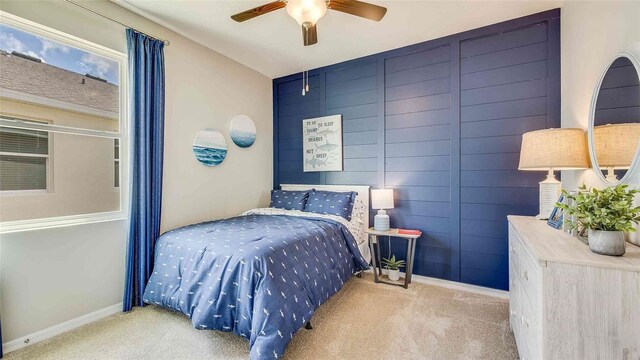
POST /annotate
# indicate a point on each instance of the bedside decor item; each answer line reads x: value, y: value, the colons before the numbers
x: 210, y: 147
x: 393, y: 267
x: 606, y: 214
x: 381, y: 199
x: 409, y: 232
x: 550, y: 150
x: 242, y: 131
x: 556, y: 218
x: 322, y: 143
x: 376, y: 261
x: 614, y: 122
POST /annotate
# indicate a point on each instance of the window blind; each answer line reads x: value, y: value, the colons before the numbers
x: 24, y: 141
x: 23, y: 173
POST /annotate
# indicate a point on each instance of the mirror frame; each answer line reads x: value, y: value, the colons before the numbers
x: 633, y: 54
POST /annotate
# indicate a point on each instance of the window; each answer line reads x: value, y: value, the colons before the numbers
x: 24, y: 159
x: 62, y: 128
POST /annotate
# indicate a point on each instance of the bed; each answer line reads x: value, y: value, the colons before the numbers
x: 260, y: 275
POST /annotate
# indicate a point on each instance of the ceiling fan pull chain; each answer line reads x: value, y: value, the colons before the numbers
x: 307, y: 60
x: 305, y: 80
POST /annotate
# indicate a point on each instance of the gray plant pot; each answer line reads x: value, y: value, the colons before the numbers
x: 607, y: 242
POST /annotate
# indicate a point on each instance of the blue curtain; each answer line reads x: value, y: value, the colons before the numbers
x: 146, y: 83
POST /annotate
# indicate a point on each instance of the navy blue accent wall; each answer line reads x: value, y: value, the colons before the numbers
x: 441, y: 123
x: 619, y: 97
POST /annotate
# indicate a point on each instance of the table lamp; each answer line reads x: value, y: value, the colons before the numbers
x: 381, y: 199
x: 615, y: 147
x: 549, y: 150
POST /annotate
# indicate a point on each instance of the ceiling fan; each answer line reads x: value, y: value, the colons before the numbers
x: 308, y: 12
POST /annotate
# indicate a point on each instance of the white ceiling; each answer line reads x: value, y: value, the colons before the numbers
x: 272, y: 43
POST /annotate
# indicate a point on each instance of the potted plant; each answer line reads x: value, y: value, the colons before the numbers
x: 606, y: 214
x: 393, y: 267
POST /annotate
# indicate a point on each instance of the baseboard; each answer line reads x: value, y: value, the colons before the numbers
x: 455, y: 285
x: 60, y: 328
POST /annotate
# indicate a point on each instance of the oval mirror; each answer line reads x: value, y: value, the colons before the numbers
x: 614, y: 126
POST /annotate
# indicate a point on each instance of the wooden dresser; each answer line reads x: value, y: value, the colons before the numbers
x: 567, y: 302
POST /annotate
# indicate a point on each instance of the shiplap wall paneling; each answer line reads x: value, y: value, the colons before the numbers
x: 503, y: 94
x: 440, y: 122
x: 619, y: 96
x: 292, y: 108
x: 417, y: 153
x: 352, y: 92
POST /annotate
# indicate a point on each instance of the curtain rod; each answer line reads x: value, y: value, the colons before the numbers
x: 166, y: 42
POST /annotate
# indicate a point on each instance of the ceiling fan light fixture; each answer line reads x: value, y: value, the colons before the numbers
x: 306, y: 12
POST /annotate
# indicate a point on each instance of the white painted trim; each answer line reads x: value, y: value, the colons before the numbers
x: 59, y: 36
x: 123, y: 135
x: 456, y: 285
x: 52, y: 331
x: 62, y: 221
x: 56, y: 104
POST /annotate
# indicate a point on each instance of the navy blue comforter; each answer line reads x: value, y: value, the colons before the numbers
x: 260, y: 276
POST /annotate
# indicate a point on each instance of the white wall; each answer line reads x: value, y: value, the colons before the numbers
x: 593, y: 32
x: 51, y: 276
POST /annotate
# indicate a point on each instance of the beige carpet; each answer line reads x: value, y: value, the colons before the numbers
x: 363, y: 321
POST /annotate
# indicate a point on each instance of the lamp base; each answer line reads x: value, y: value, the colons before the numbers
x: 381, y: 221
x: 611, y: 175
x: 550, y: 190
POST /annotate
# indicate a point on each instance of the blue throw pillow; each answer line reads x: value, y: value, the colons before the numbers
x: 289, y: 200
x: 331, y: 203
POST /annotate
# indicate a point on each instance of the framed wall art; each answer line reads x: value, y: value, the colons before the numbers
x: 322, y: 143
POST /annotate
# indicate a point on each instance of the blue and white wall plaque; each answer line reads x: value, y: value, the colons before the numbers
x: 322, y: 143
x: 242, y: 131
x: 210, y: 147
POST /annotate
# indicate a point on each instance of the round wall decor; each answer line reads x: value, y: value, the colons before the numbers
x: 242, y: 131
x: 210, y: 147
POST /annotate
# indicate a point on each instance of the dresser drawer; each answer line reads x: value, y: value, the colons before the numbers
x: 530, y: 328
x: 528, y: 274
x: 568, y: 302
x: 514, y: 246
x: 514, y: 295
x: 524, y: 298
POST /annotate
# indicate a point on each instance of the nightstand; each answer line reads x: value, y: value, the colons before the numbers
x: 376, y: 260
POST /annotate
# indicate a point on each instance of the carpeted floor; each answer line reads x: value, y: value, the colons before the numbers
x: 363, y: 321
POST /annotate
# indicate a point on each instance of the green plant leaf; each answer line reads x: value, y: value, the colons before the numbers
x: 609, y: 209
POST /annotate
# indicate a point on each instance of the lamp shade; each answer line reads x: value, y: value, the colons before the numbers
x: 382, y: 199
x: 560, y: 149
x: 616, y: 145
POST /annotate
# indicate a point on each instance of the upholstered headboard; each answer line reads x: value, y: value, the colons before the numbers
x: 362, y: 191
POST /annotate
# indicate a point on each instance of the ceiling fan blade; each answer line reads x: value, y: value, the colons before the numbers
x: 309, y: 35
x: 358, y: 8
x: 260, y: 10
